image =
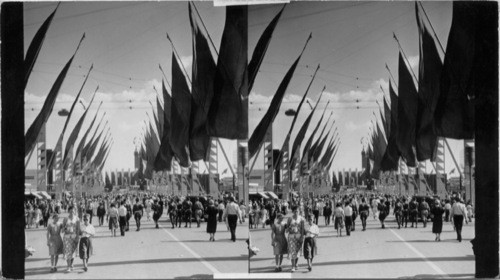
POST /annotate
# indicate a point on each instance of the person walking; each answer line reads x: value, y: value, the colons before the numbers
x: 312, y: 231
x: 295, y: 229
x: 188, y: 211
x: 383, y: 212
x: 437, y: 219
x: 364, y: 212
x: 447, y: 209
x: 212, y: 212
x: 279, y: 243
x: 71, y: 226
x: 424, y: 211
x: 327, y: 212
x: 113, y: 219
x: 221, y: 208
x: 101, y: 211
x: 198, y: 211
x: 138, y: 210
x: 172, y: 212
x: 458, y: 213
x: 54, y: 241
x: 398, y: 212
x: 348, y: 217
x: 231, y: 216
x: 414, y: 212
x: 122, y: 219
x: 87, y: 231
x: 338, y: 213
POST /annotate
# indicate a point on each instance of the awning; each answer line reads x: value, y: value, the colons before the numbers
x: 263, y: 195
x: 273, y: 195
x: 44, y: 194
x: 35, y: 195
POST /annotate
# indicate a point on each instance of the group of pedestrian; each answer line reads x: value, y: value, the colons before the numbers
x: 76, y: 237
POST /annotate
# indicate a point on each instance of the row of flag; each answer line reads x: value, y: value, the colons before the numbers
x: 443, y: 103
x: 88, y: 155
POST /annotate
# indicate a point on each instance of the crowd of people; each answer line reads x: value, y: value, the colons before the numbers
x: 73, y: 234
x: 298, y: 232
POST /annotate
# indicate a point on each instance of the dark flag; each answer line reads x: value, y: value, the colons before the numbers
x: 228, y: 114
x: 288, y: 136
x: 260, y: 50
x: 48, y: 105
x: 259, y: 133
x: 311, y: 154
x: 163, y: 160
x: 202, y: 88
x: 430, y: 67
x: 407, y: 114
x: 454, y: 114
x: 387, y: 117
x: 82, y: 147
x: 74, y: 134
x: 160, y: 117
x: 36, y: 45
x: 302, y: 133
x: 59, y: 142
x: 181, y: 112
x: 390, y: 160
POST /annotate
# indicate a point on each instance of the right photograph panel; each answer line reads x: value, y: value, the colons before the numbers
x: 357, y: 122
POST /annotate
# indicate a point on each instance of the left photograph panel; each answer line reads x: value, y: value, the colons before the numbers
x: 136, y: 133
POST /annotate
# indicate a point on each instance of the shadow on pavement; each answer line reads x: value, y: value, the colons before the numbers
x: 46, y: 270
x: 428, y: 240
x: 435, y: 276
x: 392, y: 260
x: 196, y: 276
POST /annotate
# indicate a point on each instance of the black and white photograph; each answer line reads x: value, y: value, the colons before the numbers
x: 136, y: 123
x: 362, y: 140
x: 249, y: 139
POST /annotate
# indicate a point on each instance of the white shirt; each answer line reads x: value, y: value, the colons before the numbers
x: 122, y: 211
x: 348, y: 210
x: 87, y: 230
x: 458, y: 209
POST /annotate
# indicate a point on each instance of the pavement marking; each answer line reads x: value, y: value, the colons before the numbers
x: 431, y: 264
x: 201, y: 259
x: 253, y: 276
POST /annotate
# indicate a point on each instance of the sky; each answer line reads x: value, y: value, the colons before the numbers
x: 352, y: 42
x: 125, y: 42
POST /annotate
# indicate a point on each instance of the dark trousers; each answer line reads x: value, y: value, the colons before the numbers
x: 399, y: 219
x: 316, y: 215
x: 404, y: 218
x: 221, y: 212
x: 101, y: 220
x: 458, y: 221
x: 173, y: 218
x: 348, y: 224
x: 327, y: 220
x: 137, y: 218
x: 123, y: 224
x: 363, y: 216
x: 354, y: 216
x: 414, y: 218
x: 446, y: 215
x: 232, y: 221
x: 128, y: 219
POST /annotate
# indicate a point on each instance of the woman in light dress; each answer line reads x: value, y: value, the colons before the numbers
x: 295, y: 229
x: 71, y: 228
x: 279, y: 243
x: 54, y: 241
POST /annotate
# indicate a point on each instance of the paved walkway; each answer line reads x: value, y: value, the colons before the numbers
x: 377, y: 253
x: 148, y: 253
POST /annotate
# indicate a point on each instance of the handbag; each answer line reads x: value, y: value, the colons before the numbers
x: 268, y: 221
